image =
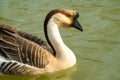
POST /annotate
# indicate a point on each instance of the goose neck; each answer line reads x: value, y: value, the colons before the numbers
x: 63, y: 53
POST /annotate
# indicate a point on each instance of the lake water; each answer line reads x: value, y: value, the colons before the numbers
x: 97, y: 48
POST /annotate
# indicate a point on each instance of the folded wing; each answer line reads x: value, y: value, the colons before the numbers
x: 24, y: 48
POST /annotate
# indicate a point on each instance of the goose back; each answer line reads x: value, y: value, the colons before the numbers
x: 18, y: 46
x: 37, y: 40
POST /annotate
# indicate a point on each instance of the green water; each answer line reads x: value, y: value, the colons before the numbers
x: 97, y: 48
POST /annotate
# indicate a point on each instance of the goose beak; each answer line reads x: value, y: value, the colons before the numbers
x: 77, y: 25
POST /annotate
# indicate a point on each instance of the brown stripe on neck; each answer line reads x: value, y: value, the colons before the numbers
x: 49, y: 15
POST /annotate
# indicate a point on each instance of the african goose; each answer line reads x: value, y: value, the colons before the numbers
x: 22, y: 53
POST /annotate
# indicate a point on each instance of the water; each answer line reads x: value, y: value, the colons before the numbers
x: 97, y: 48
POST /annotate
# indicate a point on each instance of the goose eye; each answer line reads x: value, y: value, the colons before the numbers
x: 76, y: 15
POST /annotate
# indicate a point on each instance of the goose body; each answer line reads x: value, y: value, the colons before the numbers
x: 22, y: 53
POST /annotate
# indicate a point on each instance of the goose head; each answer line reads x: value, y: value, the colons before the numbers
x: 64, y: 18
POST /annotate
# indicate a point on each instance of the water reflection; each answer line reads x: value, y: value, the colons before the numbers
x: 60, y: 75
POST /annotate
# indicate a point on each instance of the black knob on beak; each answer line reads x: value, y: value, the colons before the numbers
x: 76, y: 23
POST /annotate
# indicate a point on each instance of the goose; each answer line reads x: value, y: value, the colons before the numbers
x: 23, y: 53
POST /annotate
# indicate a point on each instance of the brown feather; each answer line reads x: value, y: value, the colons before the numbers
x: 15, y: 46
